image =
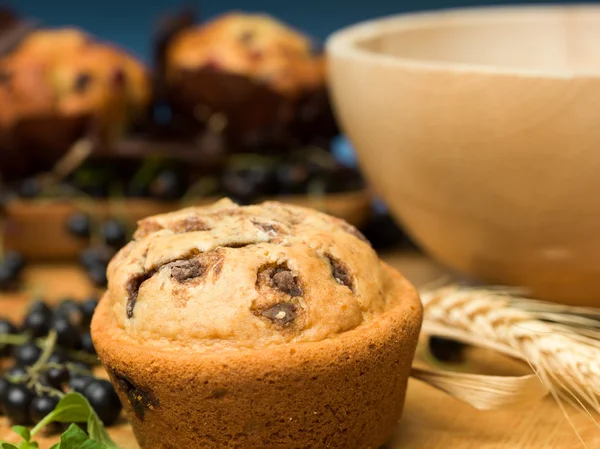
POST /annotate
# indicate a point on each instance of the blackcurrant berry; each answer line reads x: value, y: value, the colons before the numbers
x: 38, y: 305
x: 80, y: 366
x: 113, y: 232
x: 14, y: 260
x: 37, y: 323
x: 79, y: 383
x: 57, y: 377
x: 41, y: 406
x: 16, y: 404
x: 95, y: 255
x: 79, y: 225
x: 26, y: 354
x: 87, y: 309
x: 8, y: 277
x: 97, y: 274
x: 87, y: 344
x: 70, y: 310
x: 6, y: 328
x: 29, y: 188
x: 104, y: 400
x: 67, y: 334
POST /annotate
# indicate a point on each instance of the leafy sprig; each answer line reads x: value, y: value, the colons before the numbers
x: 72, y: 408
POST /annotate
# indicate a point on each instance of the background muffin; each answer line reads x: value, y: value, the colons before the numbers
x: 265, y: 79
x: 64, y: 77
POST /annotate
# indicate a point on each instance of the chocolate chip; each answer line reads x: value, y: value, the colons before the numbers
x: 279, y: 277
x: 190, y: 224
x: 82, y: 82
x: 340, y: 272
x: 183, y: 270
x: 140, y: 398
x: 133, y: 288
x: 281, y: 314
x: 284, y: 280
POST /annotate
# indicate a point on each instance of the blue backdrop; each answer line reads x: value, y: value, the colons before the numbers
x: 129, y: 22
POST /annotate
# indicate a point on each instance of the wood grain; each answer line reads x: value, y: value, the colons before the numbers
x: 432, y: 420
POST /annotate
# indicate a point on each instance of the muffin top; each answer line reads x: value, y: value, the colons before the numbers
x: 65, y: 72
x: 243, y: 276
x: 255, y: 46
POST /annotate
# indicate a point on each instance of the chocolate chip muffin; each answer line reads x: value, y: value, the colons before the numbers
x: 65, y: 72
x: 262, y: 326
x: 255, y: 46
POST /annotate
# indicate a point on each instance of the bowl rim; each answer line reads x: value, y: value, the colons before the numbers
x: 343, y: 43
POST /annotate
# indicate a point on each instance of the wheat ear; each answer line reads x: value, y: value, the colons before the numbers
x: 560, y: 343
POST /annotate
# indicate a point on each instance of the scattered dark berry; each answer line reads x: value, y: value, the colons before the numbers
x: 113, y: 233
x: 446, y: 350
x: 67, y: 334
x: 86, y: 343
x: 41, y: 406
x: 37, y: 323
x: 79, y: 383
x: 38, y: 305
x: 57, y: 377
x: 70, y: 310
x: 6, y: 328
x: 95, y: 255
x: 97, y: 274
x: 79, y: 225
x: 26, y: 354
x: 16, y: 404
x: 8, y: 277
x: 87, y: 309
x: 167, y: 185
x: 104, y: 400
x: 14, y: 260
x: 383, y: 233
x: 29, y: 188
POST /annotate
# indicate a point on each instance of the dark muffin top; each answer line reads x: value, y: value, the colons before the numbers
x: 249, y: 276
x: 255, y: 46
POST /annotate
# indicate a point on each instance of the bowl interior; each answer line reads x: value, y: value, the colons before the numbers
x: 538, y: 39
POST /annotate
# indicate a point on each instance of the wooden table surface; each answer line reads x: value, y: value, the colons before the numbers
x: 432, y: 420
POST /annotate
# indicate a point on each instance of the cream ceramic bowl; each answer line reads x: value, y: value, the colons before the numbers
x: 481, y: 129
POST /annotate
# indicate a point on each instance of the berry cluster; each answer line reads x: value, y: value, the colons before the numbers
x: 52, y: 353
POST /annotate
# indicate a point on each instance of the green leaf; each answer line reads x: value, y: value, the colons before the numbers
x: 23, y: 431
x: 28, y: 445
x: 55, y: 446
x: 73, y: 407
x: 9, y: 446
x: 98, y: 433
x: 73, y: 438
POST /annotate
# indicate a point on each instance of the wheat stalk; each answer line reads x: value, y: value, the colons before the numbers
x: 560, y: 343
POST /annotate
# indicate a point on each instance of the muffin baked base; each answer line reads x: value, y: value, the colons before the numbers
x: 345, y: 391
